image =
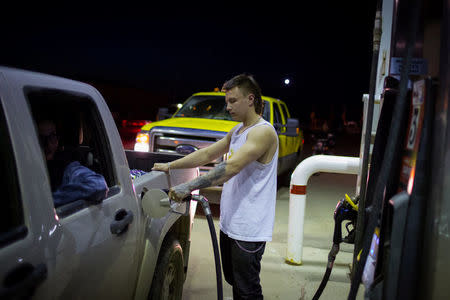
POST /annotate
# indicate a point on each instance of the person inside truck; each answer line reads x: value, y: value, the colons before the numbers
x: 69, y: 179
x: 248, y: 175
x: 56, y: 159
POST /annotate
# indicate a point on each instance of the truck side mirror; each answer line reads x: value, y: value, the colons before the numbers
x: 292, y: 126
x: 163, y: 113
x: 155, y: 203
x: 277, y: 127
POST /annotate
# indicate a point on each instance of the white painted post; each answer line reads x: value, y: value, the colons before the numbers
x: 297, y: 197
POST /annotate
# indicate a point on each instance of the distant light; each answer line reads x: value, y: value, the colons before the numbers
x: 287, y: 81
x: 179, y: 105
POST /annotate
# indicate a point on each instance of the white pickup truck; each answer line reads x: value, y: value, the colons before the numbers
x: 107, y: 249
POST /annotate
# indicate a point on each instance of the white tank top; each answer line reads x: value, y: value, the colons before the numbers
x: 247, y: 206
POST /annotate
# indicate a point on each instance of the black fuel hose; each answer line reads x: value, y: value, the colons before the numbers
x: 212, y: 231
x: 331, y: 257
x: 216, y: 256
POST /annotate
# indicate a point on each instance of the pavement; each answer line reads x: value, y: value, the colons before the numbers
x: 280, y: 280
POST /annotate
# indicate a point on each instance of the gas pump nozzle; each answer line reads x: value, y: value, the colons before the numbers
x: 204, y: 202
x: 345, y: 210
x: 198, y: 198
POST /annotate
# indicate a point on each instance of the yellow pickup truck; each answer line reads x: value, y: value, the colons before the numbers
x: 203, y: 120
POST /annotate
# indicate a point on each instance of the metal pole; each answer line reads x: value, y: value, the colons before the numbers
x: 297, y: 197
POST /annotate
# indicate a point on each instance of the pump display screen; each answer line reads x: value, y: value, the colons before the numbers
x: 413, y: 137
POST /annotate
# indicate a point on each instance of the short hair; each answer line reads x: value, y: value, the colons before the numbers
x: 247, y: 84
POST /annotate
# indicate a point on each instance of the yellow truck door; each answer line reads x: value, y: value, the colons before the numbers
x: 291, y: 142
x: 278, y: 122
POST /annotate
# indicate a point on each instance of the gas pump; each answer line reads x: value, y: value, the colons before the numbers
x: 402, y: 214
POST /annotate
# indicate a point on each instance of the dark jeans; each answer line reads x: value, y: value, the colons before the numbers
x: 241, y: 264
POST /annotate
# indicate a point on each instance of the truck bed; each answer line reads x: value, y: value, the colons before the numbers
x: 145, y: 160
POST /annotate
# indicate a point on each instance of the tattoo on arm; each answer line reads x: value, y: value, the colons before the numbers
x: 213, y: 177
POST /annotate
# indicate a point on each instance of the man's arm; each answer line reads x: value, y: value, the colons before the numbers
x: 259, y: 141
x: 197, y: 158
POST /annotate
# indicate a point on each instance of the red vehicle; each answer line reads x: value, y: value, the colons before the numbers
x: 128, y: 130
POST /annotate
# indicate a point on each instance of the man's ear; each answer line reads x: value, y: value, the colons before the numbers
x: 251, y: 97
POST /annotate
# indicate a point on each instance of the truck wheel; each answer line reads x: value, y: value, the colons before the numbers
x: 169, y: 273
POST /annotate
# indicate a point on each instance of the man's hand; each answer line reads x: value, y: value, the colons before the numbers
x: 164, y: 167
x: 179, y: 192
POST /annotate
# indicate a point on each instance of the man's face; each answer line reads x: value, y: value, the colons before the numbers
x: 237, y: 103
x: 49, y: 139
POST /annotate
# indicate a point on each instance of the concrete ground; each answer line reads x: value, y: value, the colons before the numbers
x: 280, y: 280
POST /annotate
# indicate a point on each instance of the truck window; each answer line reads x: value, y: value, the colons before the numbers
x: 12, y: 225
x: 70, y: 130
x: 266, y: 112
x: 276, y: 114
x: 206, y: 107
x: 285, y: 111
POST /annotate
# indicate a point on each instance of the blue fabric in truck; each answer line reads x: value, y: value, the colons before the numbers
x: 79, y: 182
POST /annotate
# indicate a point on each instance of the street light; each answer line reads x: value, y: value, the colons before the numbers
x: 287, y: 81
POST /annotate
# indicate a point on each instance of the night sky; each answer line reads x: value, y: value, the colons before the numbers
x: 141, y: 58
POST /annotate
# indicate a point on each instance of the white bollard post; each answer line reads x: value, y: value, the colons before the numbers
x: 297, y: 197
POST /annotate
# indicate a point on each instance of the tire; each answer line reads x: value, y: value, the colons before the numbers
x: 168, y: 279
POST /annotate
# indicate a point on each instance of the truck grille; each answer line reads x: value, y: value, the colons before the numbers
x: 167, y: 139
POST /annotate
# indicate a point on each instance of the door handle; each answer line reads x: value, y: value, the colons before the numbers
x: 121, y: 221
x: 21, y: 282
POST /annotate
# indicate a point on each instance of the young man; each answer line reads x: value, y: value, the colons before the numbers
x: 247, y: 205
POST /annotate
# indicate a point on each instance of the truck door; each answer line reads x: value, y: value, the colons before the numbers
x: 23, y: 265
x: 96, y: 256
x: 292, y: 142
x: 279, y: 122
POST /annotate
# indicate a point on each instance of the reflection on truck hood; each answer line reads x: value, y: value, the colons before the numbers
x: 194, y: 123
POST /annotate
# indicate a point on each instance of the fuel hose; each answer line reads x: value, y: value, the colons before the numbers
x: 331, y: 257
x: 212, y: 231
